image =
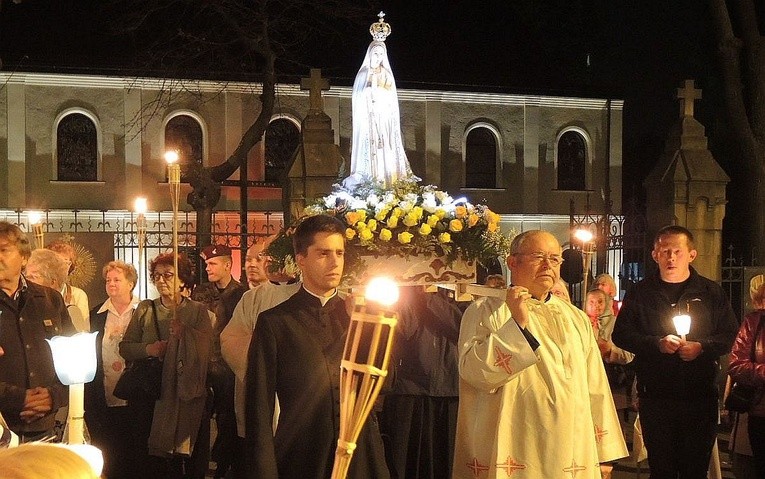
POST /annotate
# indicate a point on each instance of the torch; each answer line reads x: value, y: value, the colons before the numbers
x: 35, y: 221
x: 588, y: 248
x: 364, y: 365
x: 140, y: 226
x: 174, y: 179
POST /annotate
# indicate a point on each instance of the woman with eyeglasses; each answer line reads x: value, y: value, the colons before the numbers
x: 173, y: 428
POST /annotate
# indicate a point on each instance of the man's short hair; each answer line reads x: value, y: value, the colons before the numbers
x: 520, y: 238
x: 15, y: 236
x: 52, y: 267
x: 307, y: 229
x: 671, y: 230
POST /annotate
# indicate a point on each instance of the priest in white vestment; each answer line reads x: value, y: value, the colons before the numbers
x: 534, y: 397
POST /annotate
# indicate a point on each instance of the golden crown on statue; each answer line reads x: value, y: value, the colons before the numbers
x: 380, y: 30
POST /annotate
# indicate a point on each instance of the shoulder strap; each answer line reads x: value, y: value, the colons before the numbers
x: 156, y: 321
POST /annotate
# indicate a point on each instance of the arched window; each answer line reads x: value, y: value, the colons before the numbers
x: 481, y: 158
x: 572, y: 161
x: 184, y: 135
x: 76, y: 148
x: 282, y: 139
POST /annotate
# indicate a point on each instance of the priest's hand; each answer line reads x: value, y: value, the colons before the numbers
x: 669, y: 344
x: 689, y: 350
x: 516, y: 300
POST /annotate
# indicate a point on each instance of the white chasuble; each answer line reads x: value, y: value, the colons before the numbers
x: 543, y: 414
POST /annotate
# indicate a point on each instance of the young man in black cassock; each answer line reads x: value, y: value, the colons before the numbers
x: 295, y: 354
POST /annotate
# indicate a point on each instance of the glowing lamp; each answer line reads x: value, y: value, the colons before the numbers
x: 140, y: 206
x: 364, y: 365
x: 583, y: 235
x: 682, y: 324
x: 74, y: 358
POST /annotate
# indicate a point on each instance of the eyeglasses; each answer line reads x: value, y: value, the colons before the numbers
x: 166, y: 276
x: 537, y: 258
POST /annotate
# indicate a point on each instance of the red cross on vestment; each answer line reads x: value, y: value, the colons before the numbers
x: 476, y: 467
x: 599, y: 433
x: 510, y: 466
x: 573, y: 469
x: 503, y: 360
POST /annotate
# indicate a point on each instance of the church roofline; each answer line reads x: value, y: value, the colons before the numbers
x: 102, y: 81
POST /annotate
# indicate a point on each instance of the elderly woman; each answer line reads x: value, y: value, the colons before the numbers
x: 73, y: 296
x: 46, y: 267
x: 174, y: 427
x: 108, y: 417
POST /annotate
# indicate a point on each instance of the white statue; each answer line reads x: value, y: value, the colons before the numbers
x: 376, y: 148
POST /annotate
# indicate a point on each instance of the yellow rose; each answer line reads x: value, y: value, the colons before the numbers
x: 361, y: 226
x: 460, y: 211
x: 455, y: 225
x: 397, y: 211
x: 444, y: 238
x: 472, y: 219
x: 493, y: 217
x: 385, y: 234
x: 366, y: 235
x: 432, y: 221
x: 425, y: 229
x: 382, y: 214
x: 405, y: 237
x: 441, y: 213
x: 492, y: 227
x: 411, y: 219
x: 372, y: 225
x: 352, y: 217
x: 392, y: 221
x: 417, y: 211
x: 350, y: 233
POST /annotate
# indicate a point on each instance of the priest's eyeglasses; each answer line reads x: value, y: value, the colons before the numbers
x: 537, y: 258
x: 166, y: 276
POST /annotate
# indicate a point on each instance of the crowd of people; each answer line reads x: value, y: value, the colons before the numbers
x: 527, y: 383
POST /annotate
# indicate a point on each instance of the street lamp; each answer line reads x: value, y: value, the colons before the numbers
x: 588, y: 248
x: 35, y: 221
x: 364, y: 365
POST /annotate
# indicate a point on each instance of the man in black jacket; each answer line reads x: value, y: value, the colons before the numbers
x: 676, y: 375
x: 30, y: 392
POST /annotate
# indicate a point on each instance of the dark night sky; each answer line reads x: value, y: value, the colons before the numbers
x: 639, y: 51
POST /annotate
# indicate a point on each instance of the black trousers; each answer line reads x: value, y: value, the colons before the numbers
x: 679, y: 436
x: 757, y: 440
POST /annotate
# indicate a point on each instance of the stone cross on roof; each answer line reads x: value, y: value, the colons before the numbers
x: 688, y: 94
x: 315, y: 84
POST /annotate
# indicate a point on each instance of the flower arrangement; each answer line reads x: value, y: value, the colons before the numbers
x: 403, y: 220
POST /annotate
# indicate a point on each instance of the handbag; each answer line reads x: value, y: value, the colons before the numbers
x: 619, y: 375
x: 142, y: 380
x: 742, y: 397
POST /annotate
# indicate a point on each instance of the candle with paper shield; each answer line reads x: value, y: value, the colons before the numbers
x: 682, y: 324
x: 74, y: 358
x: 174, y: 179
x: 35, y: 221
x: 364, y: 366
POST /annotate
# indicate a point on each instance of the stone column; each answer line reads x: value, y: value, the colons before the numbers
x: 687, y: 187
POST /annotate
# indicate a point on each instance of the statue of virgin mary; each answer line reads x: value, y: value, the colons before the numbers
x: 377, y: 151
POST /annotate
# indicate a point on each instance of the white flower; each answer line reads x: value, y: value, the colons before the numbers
x: 411, y: 197
x: 373, y: 200
x: 429, y: 202
x: 406, y: 206
x: 330, y: 201
x: 313, y: 210
x: 358, y: 204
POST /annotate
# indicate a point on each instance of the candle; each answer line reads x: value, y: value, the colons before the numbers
x: 682, y: 324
